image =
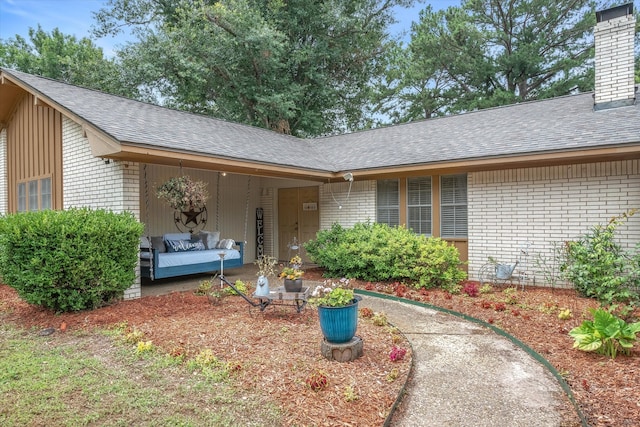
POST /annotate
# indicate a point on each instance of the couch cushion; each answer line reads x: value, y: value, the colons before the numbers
x: 177, y: 236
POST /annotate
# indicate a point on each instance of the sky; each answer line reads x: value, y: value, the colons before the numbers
x: 74, y: 17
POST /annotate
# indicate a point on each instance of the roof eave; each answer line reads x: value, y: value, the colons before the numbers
x: 566, y: 157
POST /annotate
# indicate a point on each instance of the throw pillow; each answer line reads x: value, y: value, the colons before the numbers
x: 225, y: 244
x: 184, y: 245
x: 210, y: 238
x: 157, y: 242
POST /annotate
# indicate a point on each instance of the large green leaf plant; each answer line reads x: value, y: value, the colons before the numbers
x: 606, y: 334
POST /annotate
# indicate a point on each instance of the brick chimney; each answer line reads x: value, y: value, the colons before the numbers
x: 614, y: 33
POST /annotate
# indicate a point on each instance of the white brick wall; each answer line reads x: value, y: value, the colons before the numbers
x: 614, y: 59
x: 359, y: 207
x: 4, y: 191
x: 546, y: 205
x: 90, y: 182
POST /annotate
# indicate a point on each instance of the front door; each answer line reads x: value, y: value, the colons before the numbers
x: 298, y: 217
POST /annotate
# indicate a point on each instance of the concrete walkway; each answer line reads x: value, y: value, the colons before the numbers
x: 467, y: 375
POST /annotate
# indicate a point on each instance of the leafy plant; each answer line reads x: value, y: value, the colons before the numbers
x: 204, y: 287
x: 471, y: 289
x: 317, y: 381
x: 380, y: 319
x: 606, y: 334
x: 183, y: 193
x: 397, y: 353
x: 598, y: 267
x: 144, y: 347
x: 366, y: 313
x: 350, y: 394
x: 565, y: 314
x: 333, y: 295
x: 393, y: 375
x: 69, y: 260
x: 240, y: 286
x: 550, y: 267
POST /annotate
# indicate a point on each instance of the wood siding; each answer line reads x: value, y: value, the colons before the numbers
x: 34, y: 149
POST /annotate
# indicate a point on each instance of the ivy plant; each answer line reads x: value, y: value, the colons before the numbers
x: 606, y: 334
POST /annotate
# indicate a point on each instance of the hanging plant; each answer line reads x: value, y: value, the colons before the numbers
x: 183, y: 194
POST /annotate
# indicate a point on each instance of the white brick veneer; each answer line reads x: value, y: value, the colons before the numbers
x: 546, y: 205
x: 4, y: 191
x: 90, y: 182
x: 614, y: 61
x: 359, y: 207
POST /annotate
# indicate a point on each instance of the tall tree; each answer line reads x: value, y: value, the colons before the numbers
x: 65, y: 58
x: 298, y: 66
x: 495, y: 52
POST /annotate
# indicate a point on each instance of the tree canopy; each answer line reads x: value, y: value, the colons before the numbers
x: 487, y: 53
x: 300, y: 67
x: 64, y: 58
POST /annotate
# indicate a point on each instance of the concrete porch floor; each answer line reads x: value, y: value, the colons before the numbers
x: 246, y: 273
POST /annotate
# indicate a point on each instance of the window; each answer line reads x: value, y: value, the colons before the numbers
x: 388, y: 202
x: 453, y: 206
x: 419, y: 205
x: 34, y: 195
x: 22, y: 197
x: 45, y: 193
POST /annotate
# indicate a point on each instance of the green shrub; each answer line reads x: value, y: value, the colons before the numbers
x: 598, y: 267
x: 69, y: 260
x: 377, y: 252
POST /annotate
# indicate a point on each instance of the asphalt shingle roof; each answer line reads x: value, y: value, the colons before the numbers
x: 547, y: 126
x: 141, y: 123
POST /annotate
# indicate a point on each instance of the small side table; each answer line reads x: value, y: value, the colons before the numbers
x: 280, y: 296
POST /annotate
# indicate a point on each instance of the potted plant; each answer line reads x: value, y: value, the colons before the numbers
x: 183, y: 194
x: 266, y: 267
x: 337, y: 310
x: 292, y: 275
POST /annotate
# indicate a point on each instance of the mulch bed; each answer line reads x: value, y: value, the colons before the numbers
x: 278, y: 350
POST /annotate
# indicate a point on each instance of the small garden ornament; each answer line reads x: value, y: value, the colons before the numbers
x: 266, y: 265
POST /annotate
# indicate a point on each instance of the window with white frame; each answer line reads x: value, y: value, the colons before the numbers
x: 453, y: 206
x: 388, y: 202
x: 34, y: 195
x: 419, y: 205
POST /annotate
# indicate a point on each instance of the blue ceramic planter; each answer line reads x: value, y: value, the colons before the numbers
x: 339, y: 324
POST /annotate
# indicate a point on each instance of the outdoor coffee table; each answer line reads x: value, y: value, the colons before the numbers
x: 280, y: 296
